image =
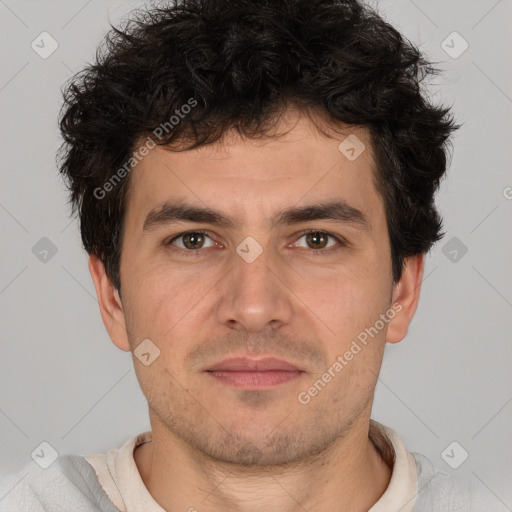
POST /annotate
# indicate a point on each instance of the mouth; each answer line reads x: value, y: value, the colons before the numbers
x: 256, y: 374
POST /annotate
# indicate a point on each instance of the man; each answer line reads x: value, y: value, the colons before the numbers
x: 255, y: 184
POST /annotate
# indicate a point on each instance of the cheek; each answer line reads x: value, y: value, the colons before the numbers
x: 162, y: 310
x: 163, y: 302
x: 346, y: 299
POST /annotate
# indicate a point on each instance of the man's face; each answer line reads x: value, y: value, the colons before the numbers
x: 200, y: 301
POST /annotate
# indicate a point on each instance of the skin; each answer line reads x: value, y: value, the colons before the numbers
x: 218, y: 448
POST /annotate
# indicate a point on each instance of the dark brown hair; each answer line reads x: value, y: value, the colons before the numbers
x: 240, y: 63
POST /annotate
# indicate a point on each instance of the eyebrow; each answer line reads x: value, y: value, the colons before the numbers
x: 338, y: 211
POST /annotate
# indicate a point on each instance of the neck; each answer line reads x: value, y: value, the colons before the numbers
x: 350, y: 475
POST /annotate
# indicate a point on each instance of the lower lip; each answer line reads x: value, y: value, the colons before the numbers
x: 255, y: 380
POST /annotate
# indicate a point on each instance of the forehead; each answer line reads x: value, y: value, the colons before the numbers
x: 251, y: 177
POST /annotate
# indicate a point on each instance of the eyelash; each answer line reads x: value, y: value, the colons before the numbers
x: 314, y: 252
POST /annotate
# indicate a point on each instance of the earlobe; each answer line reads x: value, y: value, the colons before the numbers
x: 111, y: 307
x: 405, y: 298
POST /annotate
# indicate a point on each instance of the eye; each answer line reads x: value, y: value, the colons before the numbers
x: 316, y: 241
x: 191, y: 240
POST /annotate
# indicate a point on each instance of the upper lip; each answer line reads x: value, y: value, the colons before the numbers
x: 245, y: 364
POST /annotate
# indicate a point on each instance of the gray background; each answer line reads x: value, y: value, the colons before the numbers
x: 64, y: 382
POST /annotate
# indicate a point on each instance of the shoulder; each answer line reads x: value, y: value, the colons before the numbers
x: 439, y: 491
x: 70, y: 483
x: 433, y: 489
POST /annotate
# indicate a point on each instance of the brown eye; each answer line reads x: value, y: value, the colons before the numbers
x: 191, y: 240
x: 316, y: 240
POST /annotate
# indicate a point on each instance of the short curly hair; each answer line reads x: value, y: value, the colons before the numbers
x: 243, y: 62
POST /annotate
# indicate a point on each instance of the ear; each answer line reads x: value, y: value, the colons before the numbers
x: 406, y: 294
x: 111, y: 307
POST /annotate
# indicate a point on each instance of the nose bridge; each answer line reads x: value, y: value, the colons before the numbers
x: 253, y: 296
x: 252, y: 265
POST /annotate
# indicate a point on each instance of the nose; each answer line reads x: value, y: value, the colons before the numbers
x: 254, y: 296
